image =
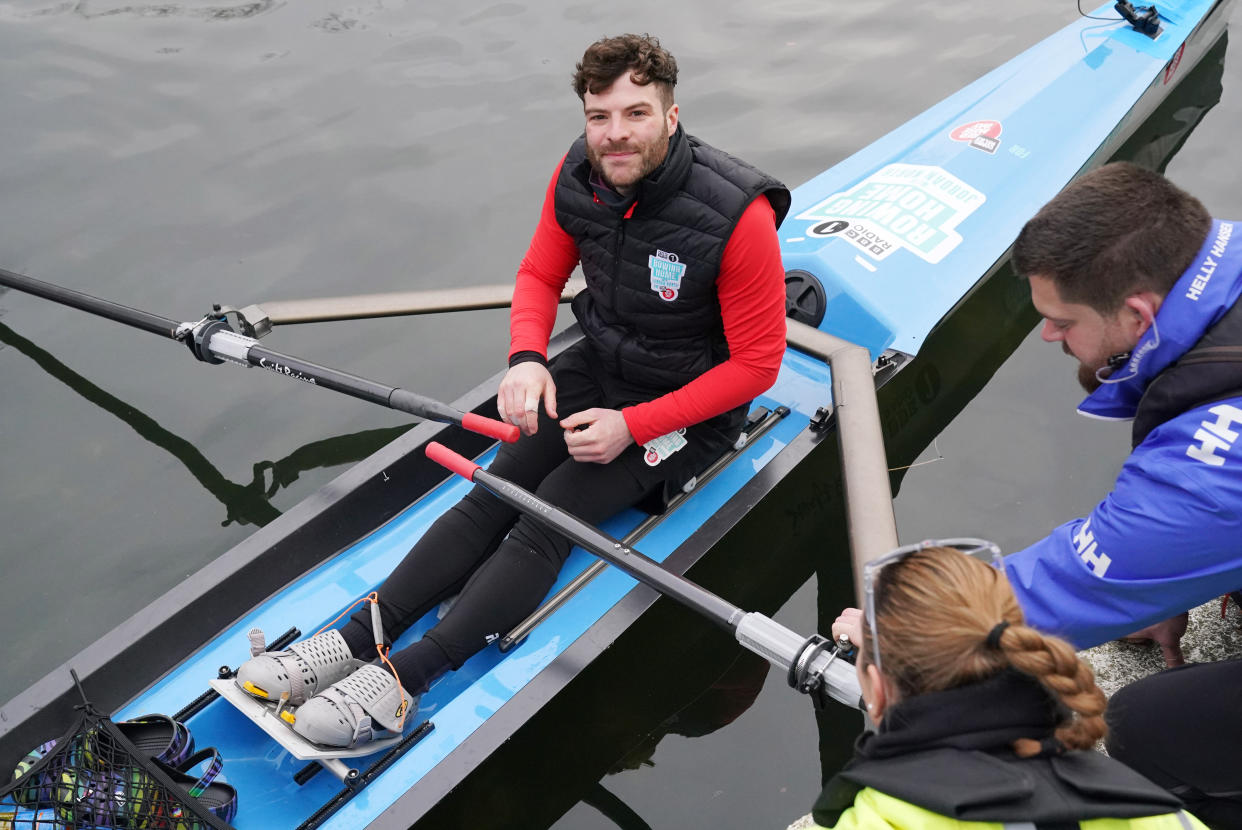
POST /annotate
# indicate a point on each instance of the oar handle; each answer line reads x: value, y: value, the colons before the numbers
x: 424, y: 407
x: 490, y: 427
x: 453, y: 462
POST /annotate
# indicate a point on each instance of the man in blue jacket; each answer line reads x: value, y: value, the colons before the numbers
x: 1138, y: 283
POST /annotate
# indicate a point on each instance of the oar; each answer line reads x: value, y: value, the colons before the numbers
x: 810, y: 662
x: 257, y: 320
x: 213, y: 341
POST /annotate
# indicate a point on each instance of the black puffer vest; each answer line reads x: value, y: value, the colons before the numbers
x: 650, y: 310
x: 1209, y: 371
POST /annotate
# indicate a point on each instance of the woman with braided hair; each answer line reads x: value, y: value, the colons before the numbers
x: 981, y: 721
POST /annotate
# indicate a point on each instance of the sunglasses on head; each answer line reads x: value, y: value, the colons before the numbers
x: 981, y: 549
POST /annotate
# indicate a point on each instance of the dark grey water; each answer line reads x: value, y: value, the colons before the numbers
x: 174, y: 154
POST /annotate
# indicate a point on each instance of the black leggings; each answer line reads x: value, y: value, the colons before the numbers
x: 1182, y: 728
x: 503, y: 565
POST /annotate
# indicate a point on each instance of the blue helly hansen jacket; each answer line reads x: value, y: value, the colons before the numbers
x: 1169, y: 535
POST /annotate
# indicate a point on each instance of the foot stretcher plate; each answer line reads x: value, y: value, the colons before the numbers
x: 265, y: 717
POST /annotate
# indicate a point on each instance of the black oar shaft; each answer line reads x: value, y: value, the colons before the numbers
x: 103, y: 308
x: 335, y: 379
x: 645, y: 570
x: 368, y: 390
x: 812, y: 667
x: 227, y: 344
x: 212, y: 341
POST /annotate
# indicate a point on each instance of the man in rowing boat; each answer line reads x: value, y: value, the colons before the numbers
x: 1137, y: 282
x: 684, y: 323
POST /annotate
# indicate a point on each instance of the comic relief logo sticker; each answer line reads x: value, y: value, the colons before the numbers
x: 658, y: 449
x: 911, y: 206
x: 666, y: 274
x: 982, y: 135
x: 1174, y: 62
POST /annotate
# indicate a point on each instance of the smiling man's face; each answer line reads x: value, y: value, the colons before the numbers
x: 627, y: 131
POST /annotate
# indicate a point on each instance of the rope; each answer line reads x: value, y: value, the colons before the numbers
x: 380, y: 649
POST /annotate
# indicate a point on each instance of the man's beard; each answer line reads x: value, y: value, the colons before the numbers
x: 650, y: 156
x: 1091, y: 378
x: 1087, y: 378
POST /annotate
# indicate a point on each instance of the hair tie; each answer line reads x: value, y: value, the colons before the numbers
x: 993, y: 640
x: 1051, y: 746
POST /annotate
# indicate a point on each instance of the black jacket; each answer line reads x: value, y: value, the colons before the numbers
x: 1210, y: 371
x: 950, y: 752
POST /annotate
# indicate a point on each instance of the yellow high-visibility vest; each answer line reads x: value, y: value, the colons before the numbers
x: 873, y: 810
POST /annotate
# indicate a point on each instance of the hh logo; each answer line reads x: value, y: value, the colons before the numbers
x: 1088, y: 550
x: 666, y: 274
x: 1216, y: 435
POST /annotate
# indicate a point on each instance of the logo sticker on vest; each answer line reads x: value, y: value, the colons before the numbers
x: 913, y: 206
x: 662, y: 447
x: 666, y: 274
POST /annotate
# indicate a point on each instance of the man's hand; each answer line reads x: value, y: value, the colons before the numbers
x: 606, y: 435
x: 849, y: 623
x: 1167, y: 635
x: 521, y: 390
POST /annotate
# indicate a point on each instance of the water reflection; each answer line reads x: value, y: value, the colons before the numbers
x: 246, y: 504
x: 719, y: 705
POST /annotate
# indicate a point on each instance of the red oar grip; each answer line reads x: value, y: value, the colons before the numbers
x: 493, y: 429
x: 454, y: 462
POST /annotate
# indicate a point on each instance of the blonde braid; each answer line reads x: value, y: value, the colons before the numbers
x: 1053, y: 663
x: 958, y: 602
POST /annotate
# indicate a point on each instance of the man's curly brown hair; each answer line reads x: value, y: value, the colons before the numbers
x: 642, y: 56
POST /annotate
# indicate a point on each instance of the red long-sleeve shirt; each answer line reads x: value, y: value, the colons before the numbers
x: 751, y: 290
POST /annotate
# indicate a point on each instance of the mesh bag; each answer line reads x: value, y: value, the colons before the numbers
x: 94, y: 777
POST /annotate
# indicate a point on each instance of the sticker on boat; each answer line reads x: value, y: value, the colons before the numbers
x: 1171, y: 69
x: 982, y: 135
x: 913, y: 206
